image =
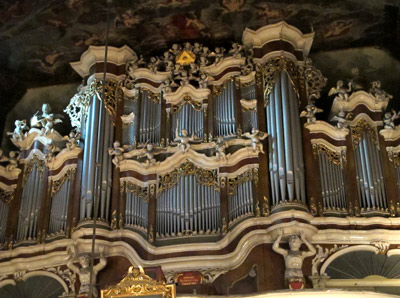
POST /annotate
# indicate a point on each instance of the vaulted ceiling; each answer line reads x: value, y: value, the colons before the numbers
x: 38, y: 38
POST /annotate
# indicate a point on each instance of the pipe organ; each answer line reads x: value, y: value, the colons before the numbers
x: 188, y: 117
x: 31, y: 200
x: 224, y: 112
x: 286, y: 155
x: 369, y: 171
x: 175, y: 151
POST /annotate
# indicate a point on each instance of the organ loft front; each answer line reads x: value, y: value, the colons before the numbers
x: 204, y: 171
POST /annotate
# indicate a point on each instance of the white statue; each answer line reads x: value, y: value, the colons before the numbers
x: 380, y: 95
x: 72, y: 140
x: 389, y: 119
x: 310, y: 112
x: 84, y: 271
x: 236, y: 50
x: 183, y: 139
x: 294, y: 257
x: 149, y: 151
x: 256, y: 136
x: 203, y: 81
x: 340, y: 91
x: 341, y: 119
x: 19, y: 131
x: 220, y: 148
x: 46, y: 121
x: 218, y: 54
x: 117, y: 151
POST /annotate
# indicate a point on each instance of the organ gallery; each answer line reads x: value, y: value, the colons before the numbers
x: 204, y: 171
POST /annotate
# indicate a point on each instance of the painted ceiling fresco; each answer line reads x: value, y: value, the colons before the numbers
x: 38, y: 38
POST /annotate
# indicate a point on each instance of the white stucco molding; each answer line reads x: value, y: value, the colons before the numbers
x: 324, y: 127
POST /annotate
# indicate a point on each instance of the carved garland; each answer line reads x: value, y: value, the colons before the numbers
x: 271, y: 68
x: 57, y: 184
x: 6, y: 196
x: 357, y: 132
x: 113, y: 94
x: 242, y: 178
x: 337, y: 158
x: 34, y: 162
x: 312, y: 79
x: 204, y: 177
x: 141, y: 192
x: 197, y: 106
x: 394, y: 157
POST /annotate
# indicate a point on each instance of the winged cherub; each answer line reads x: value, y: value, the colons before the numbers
x: 340, y: 91
x: 256, y: 136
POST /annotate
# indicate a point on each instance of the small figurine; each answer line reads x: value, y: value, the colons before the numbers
x: 204, y: 56
x: 203, y: 81
x: 236, y: 50
x: 294, y: 257
x: 389, y: 119
x: 379, y: 94
x: 183, y: 139
x: 84, y: 271
x: 117, y: 151
x: 188, y: 47
x: 72, y: 140
x: 46, y: 120
x: 128, y: 119
x: 52, y: 149
x: 153, y: 64
x: 149, y: 151
x: 256, y: 136
x: 176, y: 49
x: 340, y: 92
x: 219, y: 55
x: 341, y: 119
x: 19, y: 131
x: 197, y: 48
x: 220, y: 148
x: 310, y: 112
x: 184, y: 77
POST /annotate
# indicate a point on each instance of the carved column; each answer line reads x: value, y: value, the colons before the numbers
x: 263, y: 187
x: 353, y: 204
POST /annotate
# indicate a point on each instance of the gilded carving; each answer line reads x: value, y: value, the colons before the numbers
x: 35, y: 162
x: 6, y: 196
x: 240, y: 179
x: 336, y: 157
x: 313, y: 80
x: 57, y: 184
x: 137, y: 283
x: 203, y: 177
x: 357, y: 132
x: 141, y: 192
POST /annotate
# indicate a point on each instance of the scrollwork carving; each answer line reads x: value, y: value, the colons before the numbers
x: 357, y: 132
x: 57, y: 184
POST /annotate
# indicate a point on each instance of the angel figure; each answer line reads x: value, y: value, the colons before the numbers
x: 380, y: 95
x: 341, y: 119
x: 153, y: 64
x: 19, y: 131
x: 46, y: 120
x: 294, y: 257
x: 340, y: 91
x: 184, y: 77
x: 236, y: 50
x: 128, y: 119
x: 52, y: 149
x: 197, y: 48
x: 12, y: 159
x: 218, y: 54
x: 149, y: 151
x: 204, y: 56
x: 389, y: 119
x: 310, y: 112
x: 220, y: 147
x: 117, y: 151
x: 203, y: 81
x: 72, y: 140
x: 183, y: 139
x: 256, y: 136
x: 175, y: 49
x: 84, y: 270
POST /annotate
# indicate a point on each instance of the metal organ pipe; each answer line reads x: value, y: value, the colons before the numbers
x: 3, y: 220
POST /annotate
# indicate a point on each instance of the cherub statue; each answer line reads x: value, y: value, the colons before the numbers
x: 12, y: 159
x: 294, y: 257
x: 220, y: 147
x: 168, y: 61
x: 256, y: 136
x: 204, y: 56
x: 166, y: 86
x: 46, y: 120
x: 380, y: 95
x: 117, y: 151
x: 219, y: 55
x: 19, y: 131
x: 175, y: 49
x: 149, y: 151
x: 153, y: 64
x: 236, y: 50
x: 310, y: 112
x: 52, y: 149
x: 203, y: 81
x: 184, y: 77
x: 84, y: 270
x: 133, y: 64
x: 72, y: 140
x: 183, y: 139
x: 389, y: 119
x: 197, y: 48
x: 188, y: 47
x: 341, y: 119
x: 340, y: 91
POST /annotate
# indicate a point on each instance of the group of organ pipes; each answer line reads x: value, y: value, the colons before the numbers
x: 177, y: 147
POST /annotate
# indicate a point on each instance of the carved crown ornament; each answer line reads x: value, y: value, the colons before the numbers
x: 137, y: 283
